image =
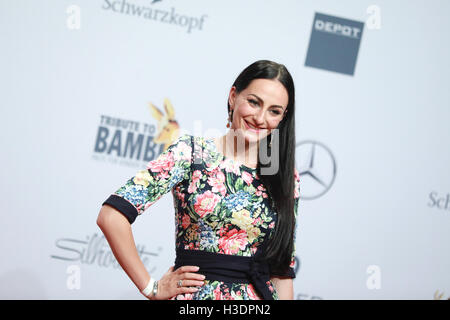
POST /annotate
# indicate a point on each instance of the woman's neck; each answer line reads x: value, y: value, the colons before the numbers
x: 234, y: 146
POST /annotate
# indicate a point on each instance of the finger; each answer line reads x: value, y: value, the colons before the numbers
x: 188, y: 269
x: 187, y: 290
x: 192, y: 283
x: 193, y: 276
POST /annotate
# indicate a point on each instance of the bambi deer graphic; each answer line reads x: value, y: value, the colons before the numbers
x: 167, y: 127
x: 439, y: 296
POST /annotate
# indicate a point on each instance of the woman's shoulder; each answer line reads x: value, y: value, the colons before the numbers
x: 187, y: 137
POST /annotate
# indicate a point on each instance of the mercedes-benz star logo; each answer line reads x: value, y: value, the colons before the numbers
x: 317, y: 169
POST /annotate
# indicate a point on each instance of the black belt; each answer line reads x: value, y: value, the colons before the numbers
x: 228, y: 268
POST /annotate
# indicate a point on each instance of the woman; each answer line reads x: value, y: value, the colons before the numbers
x: 235, y: 224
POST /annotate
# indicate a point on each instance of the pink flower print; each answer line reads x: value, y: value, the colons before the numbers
x: 217, y: 293
x: 251, y: 292
x: 230, y: 166
x: 163, y: 175
x: 269, y: 284
x: 222, y: 231
x: 260, y: 191
x: 226, y: 294
x: 192, y: 187
x: 257, y: 221
x: 292, y: 263
x: 296, y: 193
x: 180, y: 195
x: 196, y: 175
x: 162, y: 164
x: 186, y: 221
x: 216, y: 181
x: 297, y: 184
x: 296, y: 174
x: 247, y: 177
x: 182, y: 152
x: 205, y: 203
x: 233, y: 241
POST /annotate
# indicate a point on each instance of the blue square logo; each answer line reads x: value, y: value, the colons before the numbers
x: 334, y: 44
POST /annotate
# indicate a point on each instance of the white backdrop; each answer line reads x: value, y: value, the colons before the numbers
x: 379, y: 232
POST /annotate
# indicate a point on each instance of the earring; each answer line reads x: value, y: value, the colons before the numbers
x: 270, y: 143
x: 230, y: 116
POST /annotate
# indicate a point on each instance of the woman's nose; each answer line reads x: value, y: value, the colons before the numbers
x: 259, y: 118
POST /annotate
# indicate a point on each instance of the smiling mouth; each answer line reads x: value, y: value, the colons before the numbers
x: 251, y: 127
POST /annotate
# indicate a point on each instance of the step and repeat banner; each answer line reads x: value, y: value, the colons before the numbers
x: 91, y: 88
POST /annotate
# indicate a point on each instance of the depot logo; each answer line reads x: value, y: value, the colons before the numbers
x: 334, y: 44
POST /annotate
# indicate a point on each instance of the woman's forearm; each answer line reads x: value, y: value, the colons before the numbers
x: 118, y: 233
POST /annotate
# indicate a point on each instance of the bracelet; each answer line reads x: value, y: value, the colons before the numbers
x: 149, y: 288
x: 155, y: 289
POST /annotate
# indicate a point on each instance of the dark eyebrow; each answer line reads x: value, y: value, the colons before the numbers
x: 261, y: 101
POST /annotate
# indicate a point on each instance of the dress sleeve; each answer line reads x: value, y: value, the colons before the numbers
x: 291, y: 272
x: 160, y: 176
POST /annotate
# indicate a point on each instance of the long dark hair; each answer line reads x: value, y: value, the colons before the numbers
x: 280, y: 185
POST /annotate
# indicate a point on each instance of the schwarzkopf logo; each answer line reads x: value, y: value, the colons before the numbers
x: 334, y: 44
x: 318, y: 164
x: 155, y: 13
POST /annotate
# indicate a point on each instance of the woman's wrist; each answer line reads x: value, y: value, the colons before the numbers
x: 151, y: 290
x: 154, y: 294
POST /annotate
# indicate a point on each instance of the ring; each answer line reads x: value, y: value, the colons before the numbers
x: 180, y: 283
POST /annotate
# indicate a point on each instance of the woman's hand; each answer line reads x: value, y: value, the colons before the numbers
x: 168, y: 284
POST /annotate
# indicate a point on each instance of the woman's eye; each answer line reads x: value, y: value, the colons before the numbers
x: 276, y: 112
x: 253, y: 101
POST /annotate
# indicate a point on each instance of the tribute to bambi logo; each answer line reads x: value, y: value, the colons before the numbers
x: 156, y: 13
x: 318, y: 164
x: 132, y: 143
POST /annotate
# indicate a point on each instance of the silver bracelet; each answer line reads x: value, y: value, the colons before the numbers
x: 155, y: 289
x: 149, y: 287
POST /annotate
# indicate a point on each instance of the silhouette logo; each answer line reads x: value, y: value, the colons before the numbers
x: 317, y: 168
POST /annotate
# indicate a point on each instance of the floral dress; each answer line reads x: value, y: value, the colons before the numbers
x: 220, y: 206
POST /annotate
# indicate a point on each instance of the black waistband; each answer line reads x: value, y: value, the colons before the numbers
x: 228, y: 268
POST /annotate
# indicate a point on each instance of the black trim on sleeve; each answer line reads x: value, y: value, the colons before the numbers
x: 126, y: 208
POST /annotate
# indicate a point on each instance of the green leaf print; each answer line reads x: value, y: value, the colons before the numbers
x: 250, y: 189
x: 238, y: 185
x: 229, y: 185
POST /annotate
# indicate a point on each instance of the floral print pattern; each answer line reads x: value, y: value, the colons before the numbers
x: 220, y: 206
